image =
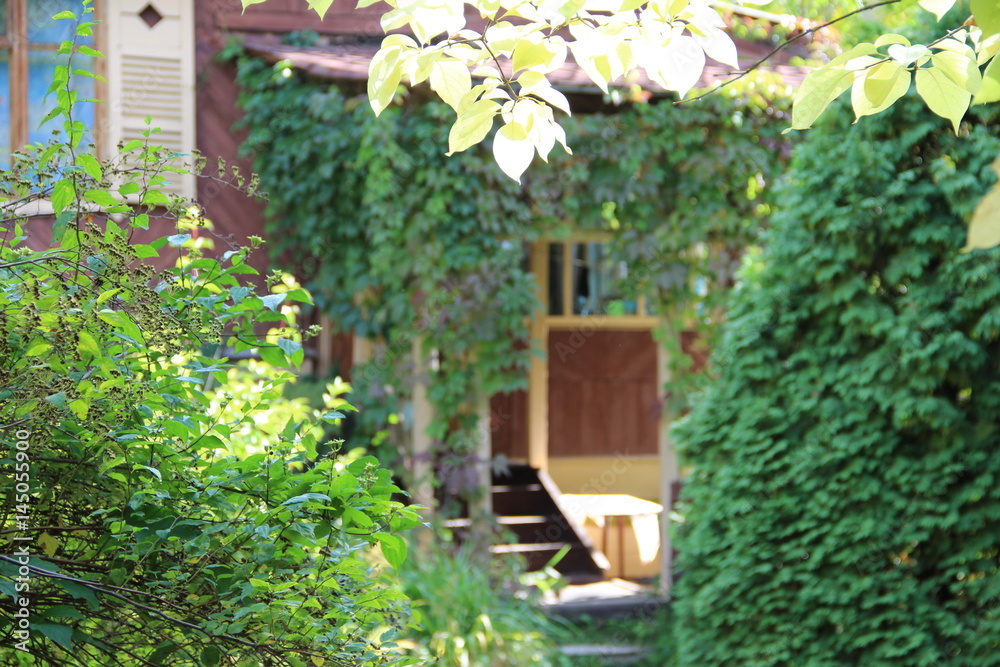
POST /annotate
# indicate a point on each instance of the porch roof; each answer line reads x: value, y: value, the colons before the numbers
x: 350, y: 62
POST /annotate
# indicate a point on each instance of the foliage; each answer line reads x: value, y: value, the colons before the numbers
x: 242, y: 390
x: 670, y: 40
x: 843, y: 508
x: 471, y: 610
x: 402, y: 242
x: 135, y: 535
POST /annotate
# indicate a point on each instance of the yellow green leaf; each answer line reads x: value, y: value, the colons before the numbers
x: 942, y: 95
x: 384, y: 74
x: 891, y: 38
x: 472, y: 125
x: 984, y: 229
x: 818, y: 90
x: 451, y: 80
x: 48, y: 544
x: 881, y: 83
x: 937, y: 7
x: 86, y: 343
x: 989, y: 91
x: 38, y: 348
x: 320, y: 6
x: 960, y: 66
x: 79, y: 407
x: 513, y: 150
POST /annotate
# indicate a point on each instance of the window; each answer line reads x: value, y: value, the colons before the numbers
x: 585, y: 280
x: 29, y: 39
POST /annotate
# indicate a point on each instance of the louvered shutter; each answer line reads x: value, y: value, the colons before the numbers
x: 151, y: 73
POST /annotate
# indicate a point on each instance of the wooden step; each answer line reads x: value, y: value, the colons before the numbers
x: 528, y: 548
x: 524, y: 500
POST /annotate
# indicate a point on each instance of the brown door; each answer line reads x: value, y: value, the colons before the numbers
x: 603, y: 394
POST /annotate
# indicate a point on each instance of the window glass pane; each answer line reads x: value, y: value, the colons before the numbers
x: 555, y: 279
x: 597, y: 282
x: 43, y: 30
x: 3, y: 17
x: 40, y: 70
x: 4, y: 107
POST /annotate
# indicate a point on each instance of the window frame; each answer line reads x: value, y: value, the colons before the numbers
x: 15, y: 42
x: 640, y: 320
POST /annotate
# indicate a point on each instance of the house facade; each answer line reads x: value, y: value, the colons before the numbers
x: 593, y: 416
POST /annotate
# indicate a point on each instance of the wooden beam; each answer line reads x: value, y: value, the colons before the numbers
x: 538, y: 375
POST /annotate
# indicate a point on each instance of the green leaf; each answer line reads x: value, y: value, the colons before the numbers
x: 961, y: 67
x: 987, y: 13
x: 272, y: 355
x: 79, y: 407
x: 90, y: 165
x: 101, y: 197
x: 472, y: 125
x: 38, y: 348
x: 942, y: 95
x: 357, y: 518
x: 290, y: 347
x: 393, y: 548
x: 155, y: 197
x: 63, y: 194
x: 210, y: 656
x: 272, y: 301
x: 88, y: 344
x: 532, y: 53
x: 89, y: 51
x: 58, y: 399
x: 60, y: 634
x: 307, y: 497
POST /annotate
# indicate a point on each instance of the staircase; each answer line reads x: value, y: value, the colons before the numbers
x: 527, y: 504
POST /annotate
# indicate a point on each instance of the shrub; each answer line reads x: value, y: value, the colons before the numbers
x: 137, y: 535
x: 471, y: 610
x: 844, y: 507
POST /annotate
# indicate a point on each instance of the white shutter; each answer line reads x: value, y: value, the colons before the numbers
x: 151, y: 73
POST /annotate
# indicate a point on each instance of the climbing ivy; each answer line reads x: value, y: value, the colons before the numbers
x: 402, y: 242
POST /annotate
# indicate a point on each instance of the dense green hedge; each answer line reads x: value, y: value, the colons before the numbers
x: 845, y: 507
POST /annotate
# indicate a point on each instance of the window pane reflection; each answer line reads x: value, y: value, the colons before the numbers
x: 40, y: 72
x: 597, y: 282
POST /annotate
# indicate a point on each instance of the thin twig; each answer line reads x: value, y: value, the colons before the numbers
x: 784, y: 45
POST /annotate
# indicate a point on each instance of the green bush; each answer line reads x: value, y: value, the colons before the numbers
x: 472, y: 610
x: 144, y: 523
x: 844, y: 508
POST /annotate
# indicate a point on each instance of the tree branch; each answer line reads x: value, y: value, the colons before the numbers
x: 784, y: 45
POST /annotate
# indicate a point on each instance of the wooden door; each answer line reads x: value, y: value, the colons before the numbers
x: 603, y: 393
